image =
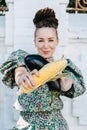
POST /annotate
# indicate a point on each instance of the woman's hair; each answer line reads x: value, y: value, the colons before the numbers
x: 45, y: 18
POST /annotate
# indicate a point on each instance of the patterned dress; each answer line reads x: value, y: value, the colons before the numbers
x: 41, y: 109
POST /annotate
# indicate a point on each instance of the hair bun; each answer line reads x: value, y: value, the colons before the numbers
x: 45, y: 18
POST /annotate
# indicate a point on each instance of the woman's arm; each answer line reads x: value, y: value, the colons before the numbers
x: 66, y: 83
x: 77, y: 86
x: 15, y: 60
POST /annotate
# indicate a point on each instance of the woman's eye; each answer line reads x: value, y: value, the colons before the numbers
x: 40, y: 41
x: 51, y: 40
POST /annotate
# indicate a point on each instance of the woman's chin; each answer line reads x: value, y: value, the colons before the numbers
x: 46, y: 56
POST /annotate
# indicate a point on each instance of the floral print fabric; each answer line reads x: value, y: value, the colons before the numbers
x: 49, y: 120
x: 41, y: 108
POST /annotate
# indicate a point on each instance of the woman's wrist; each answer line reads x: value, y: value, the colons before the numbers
x: 19, y: 71
x: 66, y: 83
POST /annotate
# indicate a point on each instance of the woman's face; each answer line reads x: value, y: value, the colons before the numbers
x: 46, y: 41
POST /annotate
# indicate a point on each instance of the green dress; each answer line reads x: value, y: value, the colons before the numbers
x: 42, y: 107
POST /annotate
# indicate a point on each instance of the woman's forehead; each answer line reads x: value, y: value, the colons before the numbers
x: 46, y: 32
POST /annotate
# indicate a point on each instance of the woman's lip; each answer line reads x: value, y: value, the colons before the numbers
x: 46, y: 51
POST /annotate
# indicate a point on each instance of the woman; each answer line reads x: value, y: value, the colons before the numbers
x: 41, y: 110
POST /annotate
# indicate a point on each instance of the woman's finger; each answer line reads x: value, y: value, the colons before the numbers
x: 66, y: 83
x: 36, y: 72
x: 31, y: 79
x: 26, y: 85
x: 27, y: 80
x: 62, y: 81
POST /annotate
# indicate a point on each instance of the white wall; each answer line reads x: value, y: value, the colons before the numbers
x: 78, y: 44
x: 20, y: 27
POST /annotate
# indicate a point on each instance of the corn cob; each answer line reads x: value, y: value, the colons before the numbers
x: 48, y: 72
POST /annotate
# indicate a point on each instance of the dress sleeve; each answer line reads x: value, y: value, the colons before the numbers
x: 78, y: 86
x: 15, y: 59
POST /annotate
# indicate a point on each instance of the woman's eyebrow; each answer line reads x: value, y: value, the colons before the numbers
x: 40, y: 38
x: 48, y: 38
x: 51, y: 38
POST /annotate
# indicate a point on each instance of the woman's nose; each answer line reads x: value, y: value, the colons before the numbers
x: 46, y: 44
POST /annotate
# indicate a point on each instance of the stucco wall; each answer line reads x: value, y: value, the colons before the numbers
x: 17, y: 32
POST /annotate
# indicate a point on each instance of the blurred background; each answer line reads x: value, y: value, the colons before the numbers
x: 17, y: 32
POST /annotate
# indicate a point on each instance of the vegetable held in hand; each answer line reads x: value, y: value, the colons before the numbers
x: 35, y: 61
x: 47, y: 73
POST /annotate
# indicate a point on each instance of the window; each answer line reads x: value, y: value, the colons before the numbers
x: 3, y: 7
x: 77, y: 5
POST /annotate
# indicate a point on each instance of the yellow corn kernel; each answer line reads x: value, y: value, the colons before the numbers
x: 48, y: 72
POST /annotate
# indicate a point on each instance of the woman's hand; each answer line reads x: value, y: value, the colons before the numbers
x: 22, y: 76
x: 66, y: 83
